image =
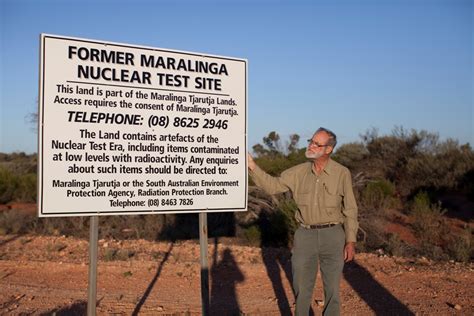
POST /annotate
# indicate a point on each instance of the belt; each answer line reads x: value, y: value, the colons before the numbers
x: 319, y: 226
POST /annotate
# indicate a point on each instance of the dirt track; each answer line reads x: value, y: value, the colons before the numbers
x: 46, y: 274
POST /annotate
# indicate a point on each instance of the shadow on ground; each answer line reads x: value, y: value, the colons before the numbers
x: 225, y: 275
x: 153, y: 281
x: 78, y: 308
x: 379, y: 299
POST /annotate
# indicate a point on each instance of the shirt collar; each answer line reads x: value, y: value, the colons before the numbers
x: 328, y: 169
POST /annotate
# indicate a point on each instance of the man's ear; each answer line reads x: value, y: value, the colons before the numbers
x: 329, y: 150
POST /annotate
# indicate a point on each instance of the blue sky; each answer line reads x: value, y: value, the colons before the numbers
x: 346, y: 65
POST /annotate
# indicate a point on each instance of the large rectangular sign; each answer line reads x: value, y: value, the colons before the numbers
x: 138, y: 130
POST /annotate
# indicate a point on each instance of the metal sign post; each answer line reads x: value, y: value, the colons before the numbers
x: 204, y: 263
x: 92, y: 287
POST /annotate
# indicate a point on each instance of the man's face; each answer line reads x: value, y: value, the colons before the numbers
x: 318, y: 146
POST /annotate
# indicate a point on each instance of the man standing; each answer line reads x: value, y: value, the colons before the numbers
x: 327, y: 215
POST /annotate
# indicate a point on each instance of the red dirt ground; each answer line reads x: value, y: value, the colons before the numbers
x: 42, y: 275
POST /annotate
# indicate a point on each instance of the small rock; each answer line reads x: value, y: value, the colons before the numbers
x: 160, y: 308
x: 320, y: 303
x: 105, y: 245
x: 424, y: 261
x: 20, y: 296
x: 457, y: 307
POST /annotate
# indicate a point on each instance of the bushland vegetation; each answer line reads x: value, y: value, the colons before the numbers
x: 17, y: 177
x: 398, y: 178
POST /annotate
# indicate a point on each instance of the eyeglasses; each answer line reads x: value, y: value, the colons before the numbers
x: 312, y: 143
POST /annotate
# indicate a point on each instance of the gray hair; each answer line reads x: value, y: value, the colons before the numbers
x: 332, y: 137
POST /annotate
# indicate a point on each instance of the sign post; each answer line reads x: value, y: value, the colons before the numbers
x: 204, y: 263
x: 92, y: 285
x: 130, y: 130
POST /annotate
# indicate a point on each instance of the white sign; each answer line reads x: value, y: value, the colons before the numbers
x: 137, y: 130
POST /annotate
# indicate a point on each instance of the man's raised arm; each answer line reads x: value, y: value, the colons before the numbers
x: 271, y: 185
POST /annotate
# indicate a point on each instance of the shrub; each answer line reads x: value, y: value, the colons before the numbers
x: 127, y: 274
x: 17, y: 187
x: 26, y: 190
x: 17, y: 178
x: 8, y: 185
x: 375, y: 237
x: 276, y: 165
x: 253, y: 235
x: 459, y: 249
x: 17, y: 222
x: 69, y: 226
x: 413, y: 160
x: 351, y: 155
x: 421, y: 202
x: 433, y: 251
x: 109, y: 254
x: 429, y: 223
x: 284, y: 223
x: 394, y: 245
x: 113, y: 254
x: 397, y: 247
x: 55, y: 247
x: 435, y: 235
x: 378, y: 195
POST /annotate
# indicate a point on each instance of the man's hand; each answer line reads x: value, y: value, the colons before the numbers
x: 251, y: 164
x: 349, y: 251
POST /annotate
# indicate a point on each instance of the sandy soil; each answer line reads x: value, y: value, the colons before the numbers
x: 42, y: 275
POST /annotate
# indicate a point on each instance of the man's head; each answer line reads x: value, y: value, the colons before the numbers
x: 321, y: 144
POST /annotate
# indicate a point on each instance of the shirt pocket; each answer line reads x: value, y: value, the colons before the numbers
x: 332, y: 200
x: 303, y: 200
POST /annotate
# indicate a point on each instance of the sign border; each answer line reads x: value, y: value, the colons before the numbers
x: 42, y: 74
